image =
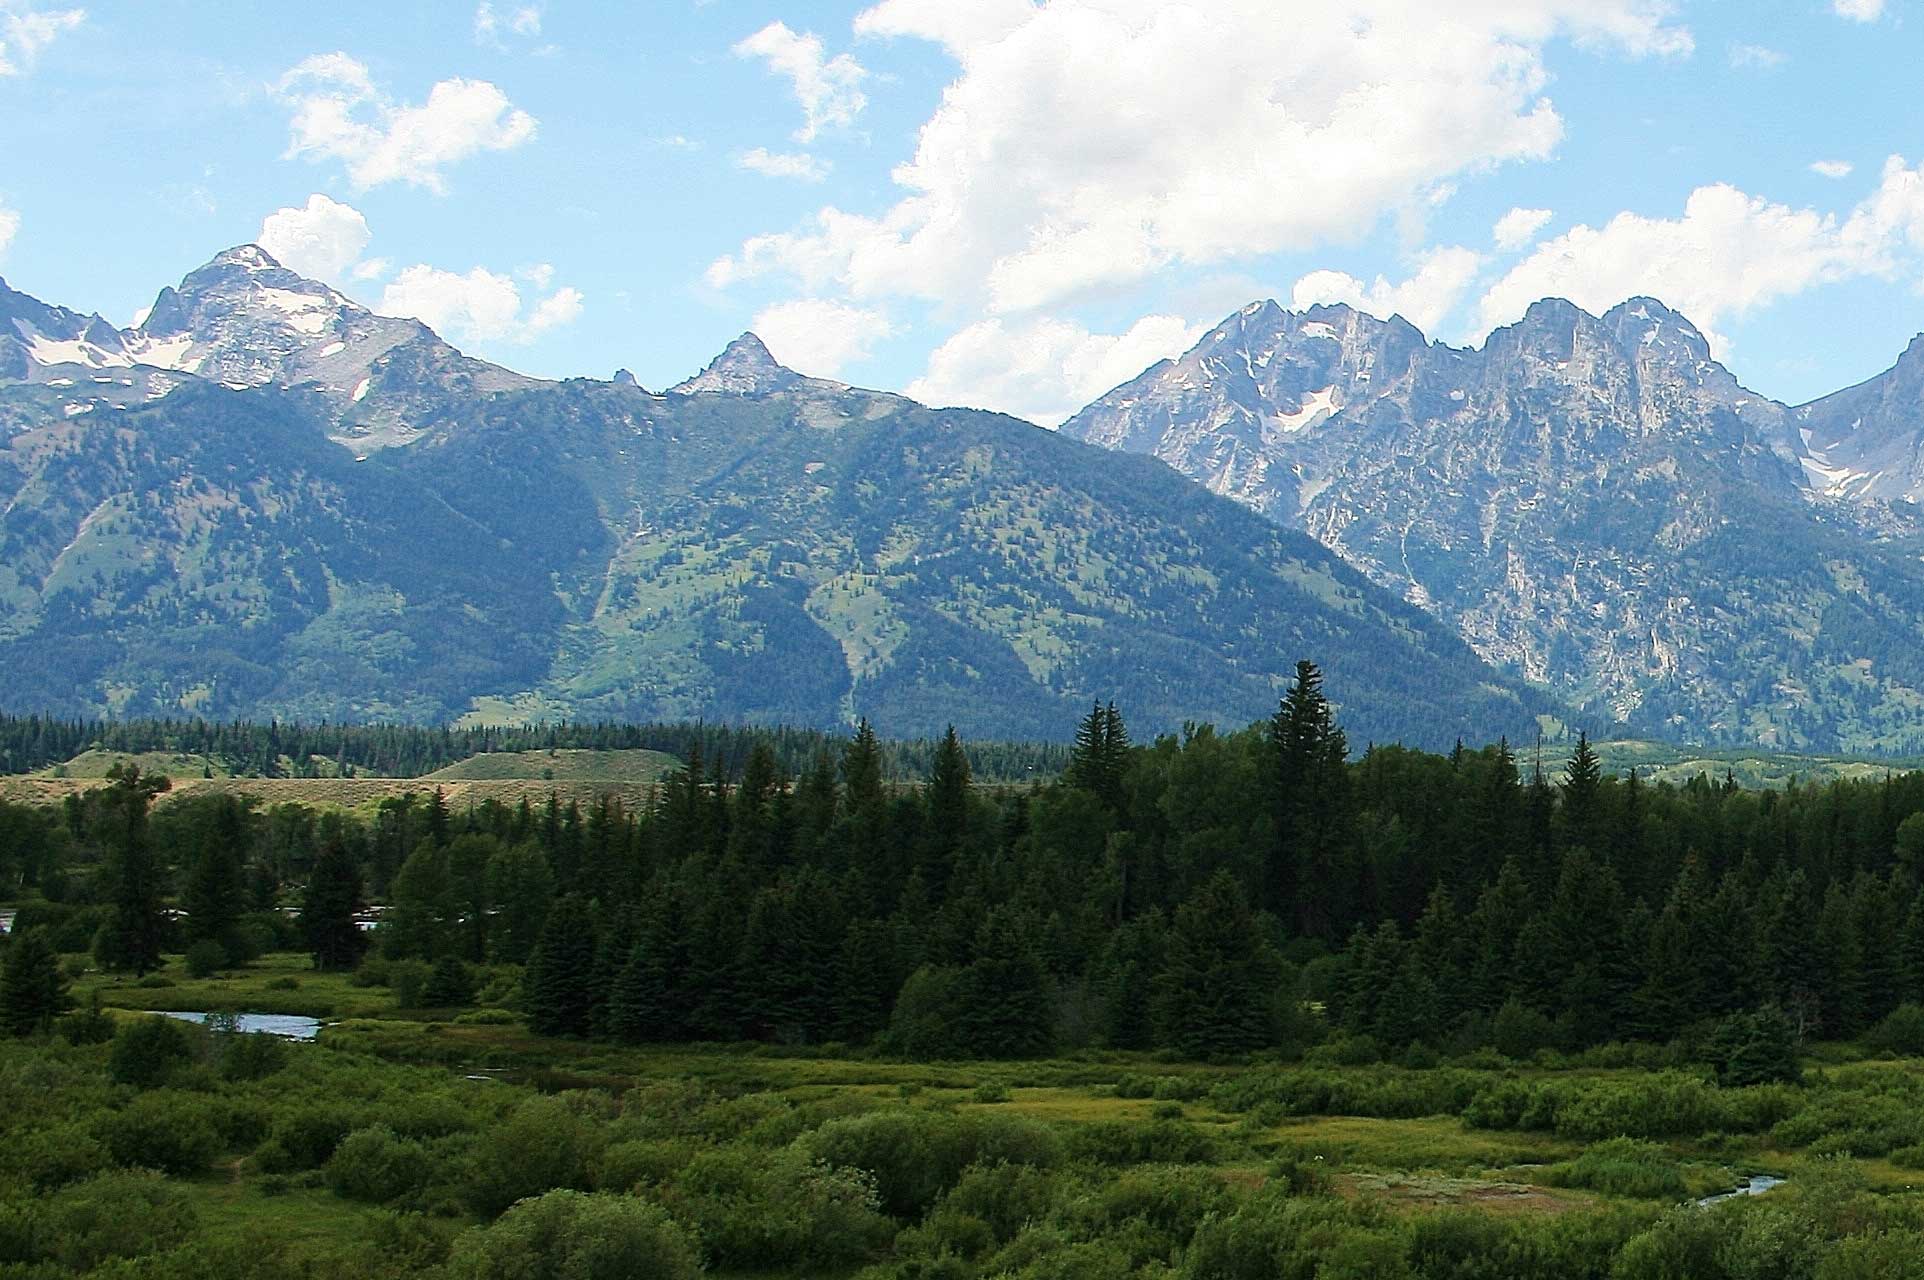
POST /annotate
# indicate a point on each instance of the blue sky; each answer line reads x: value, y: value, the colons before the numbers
x: 1003, y: 203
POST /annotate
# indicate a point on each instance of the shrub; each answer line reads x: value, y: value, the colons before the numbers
x: 990, y: 1091
x: 88, y: 1026
x: 487, y: 1018
x: 1118, y: 1142
x: 1621, y: 1167
x: 116, y: 1215
x: 408, y: 979
x: 1520, y: 1032
x: 754, y: 1212
x: 547, y: 1144
x: 1901, y: 1033
x: 1755, y: 1048
x: 305, y: 1137
x: 205, y: 958
x: 165, y: 1131
x: 449, y: 985
x: 148, y: 1050
x: 568, y: 1235
x: 253, y: 1057
x: 914, y: 1156
x: 375, y: 1166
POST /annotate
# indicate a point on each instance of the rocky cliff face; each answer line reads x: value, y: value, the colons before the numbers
x: 1593, y: 503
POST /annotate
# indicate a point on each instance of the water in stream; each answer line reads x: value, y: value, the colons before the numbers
x: 1755, y: 1185
x: 286, y: 1026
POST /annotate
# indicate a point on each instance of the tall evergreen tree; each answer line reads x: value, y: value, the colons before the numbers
x: 214, y: 893
x: 136, y: 927
x: 560, y: 981
x: 1311, y: 807
x: 330, y: 907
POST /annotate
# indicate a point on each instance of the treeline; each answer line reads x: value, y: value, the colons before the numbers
x: 1200, y: 894
x: 274, y: 749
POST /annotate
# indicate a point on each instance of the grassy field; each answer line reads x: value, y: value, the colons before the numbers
x: 601, y: 767
x: 505, y: 777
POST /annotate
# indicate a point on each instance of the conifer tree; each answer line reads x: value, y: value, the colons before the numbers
x: 132, y: 937
x: 560, y: 981
x: 330, y: 907
x: 522, y: 887
x: 1215, y: 994
x: 1582, y: 788
x: 215, y: 892
x: 1310, y: 805
x: 33, y: 990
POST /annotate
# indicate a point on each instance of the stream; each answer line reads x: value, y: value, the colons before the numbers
x: 286, y: 1026
x: 1755, y: 1185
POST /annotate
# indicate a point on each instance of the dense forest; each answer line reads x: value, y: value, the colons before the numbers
x: 1211, y: 895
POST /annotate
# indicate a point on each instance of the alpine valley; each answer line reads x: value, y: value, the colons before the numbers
x: 266, y: 500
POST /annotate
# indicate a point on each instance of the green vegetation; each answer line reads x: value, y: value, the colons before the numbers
x: 1215, y: 1006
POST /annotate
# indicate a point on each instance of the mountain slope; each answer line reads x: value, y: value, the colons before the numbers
x: 754, y: 545
x: 1591, y: 502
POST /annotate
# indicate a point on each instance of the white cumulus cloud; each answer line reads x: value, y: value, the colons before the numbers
x: 783, y: 164
x: 1858, y: 10
x: 1425, y: 299
x: 1519, y: 227
x: 829, y: 89
x: 1728, y: 253
x: 25, y: 31
x: 9, y: 227
x: 480, y: 305
x: 1087, y: 144
x: 1045, y: 370
x: 339, y: 114
x: 1832, y: 168
x: 321, y: 239
x: 819, y: 337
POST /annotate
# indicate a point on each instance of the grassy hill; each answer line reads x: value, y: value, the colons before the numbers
x: 561, y: 766
x: 97, y: 764
x: 1664, y: 762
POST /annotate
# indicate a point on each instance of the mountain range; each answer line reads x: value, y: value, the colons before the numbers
x: 265, y: 500
x: 1593, y: 503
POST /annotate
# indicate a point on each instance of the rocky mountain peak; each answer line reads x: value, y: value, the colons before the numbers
x: 1649, y: 328
x: 744, y: 368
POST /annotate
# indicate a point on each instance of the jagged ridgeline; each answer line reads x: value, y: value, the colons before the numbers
x: 349, y: 521
x: 1592, y: 502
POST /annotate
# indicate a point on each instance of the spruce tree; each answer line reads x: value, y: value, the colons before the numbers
x: 330, y: 907
x: 214, y: 892
x: 560, y: 981
x: 1310, y: 804
x: 1216, y: 991
x: 33, y: 990
x: 136, y: 927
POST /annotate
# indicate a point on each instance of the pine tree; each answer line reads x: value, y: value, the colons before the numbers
x: 330, y: 907
x: 1310, y: 803
x: 560, y: 980
x: 214, y: 892
x: 1007, y: 1010
x: 136, y: 927
x: 33, y: 990
x: 1582, y: 789
x: 948, y: 805
x: 1214, y: 996
x: 522, y: 887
